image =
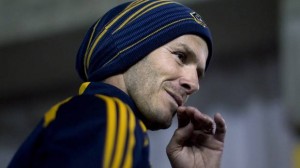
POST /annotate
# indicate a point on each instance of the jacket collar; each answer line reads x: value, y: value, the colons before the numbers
x: 92, y: 88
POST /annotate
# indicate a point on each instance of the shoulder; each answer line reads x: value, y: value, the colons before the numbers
x: 74, y: 107
x: 98, y: 107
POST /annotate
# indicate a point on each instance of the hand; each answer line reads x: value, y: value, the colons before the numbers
x: 198, y: 141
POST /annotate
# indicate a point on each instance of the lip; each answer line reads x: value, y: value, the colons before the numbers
x: 178, y: 99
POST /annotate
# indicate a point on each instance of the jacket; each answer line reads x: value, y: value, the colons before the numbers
x: 100, y: 127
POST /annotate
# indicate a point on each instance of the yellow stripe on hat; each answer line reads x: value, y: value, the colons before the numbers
x: 86, y: 65
x: 137, y: 12
x: 167, y: 2
x: 134, y: 3
x: 168, y: 25
x: 88, y: 47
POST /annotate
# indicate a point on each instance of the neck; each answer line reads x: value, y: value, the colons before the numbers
x: 117, y: 81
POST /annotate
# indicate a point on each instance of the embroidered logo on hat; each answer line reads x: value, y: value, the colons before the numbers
x: 198, y: 19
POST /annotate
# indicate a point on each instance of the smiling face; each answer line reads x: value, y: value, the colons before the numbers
x: 163, y: 80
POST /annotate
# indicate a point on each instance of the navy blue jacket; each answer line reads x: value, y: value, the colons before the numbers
x: 100, y: 127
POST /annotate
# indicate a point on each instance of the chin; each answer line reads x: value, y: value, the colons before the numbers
x: 158, y: 124
x: 160, y: 117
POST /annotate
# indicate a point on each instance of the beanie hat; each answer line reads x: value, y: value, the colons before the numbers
x: 130, y: 31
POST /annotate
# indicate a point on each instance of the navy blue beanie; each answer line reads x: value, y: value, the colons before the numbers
x: 129, y: 32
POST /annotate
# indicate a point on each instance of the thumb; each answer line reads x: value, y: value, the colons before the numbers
x: 180, y: 136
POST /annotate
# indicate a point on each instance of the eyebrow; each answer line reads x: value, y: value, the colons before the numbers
x: 200, y: 70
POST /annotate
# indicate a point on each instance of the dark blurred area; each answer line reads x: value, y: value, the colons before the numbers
x: 252, y: 80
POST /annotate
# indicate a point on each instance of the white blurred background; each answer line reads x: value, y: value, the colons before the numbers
x: 253, y: 79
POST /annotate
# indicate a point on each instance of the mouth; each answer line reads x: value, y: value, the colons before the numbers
x: 178, y: 99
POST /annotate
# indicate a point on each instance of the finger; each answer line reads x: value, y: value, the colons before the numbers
x: 178, y: 140
x: 200, y: 120
x: 180, y: 136
x: 182, y: 116
x: 220, y: 127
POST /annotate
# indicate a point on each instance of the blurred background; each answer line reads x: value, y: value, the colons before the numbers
x: 253, y: 79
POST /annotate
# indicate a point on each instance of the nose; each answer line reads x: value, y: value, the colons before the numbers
x: 189, y: 81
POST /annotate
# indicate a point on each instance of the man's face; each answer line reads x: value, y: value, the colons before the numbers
x: 163, y: 80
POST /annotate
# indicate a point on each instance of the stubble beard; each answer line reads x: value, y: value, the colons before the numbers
x: 145, y: 88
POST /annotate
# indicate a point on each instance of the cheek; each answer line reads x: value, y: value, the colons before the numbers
x: 151, y: 98
x: 143, y: 87
x: 167, y: 64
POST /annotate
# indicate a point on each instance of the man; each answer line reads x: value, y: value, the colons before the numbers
x: 140, y: 61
